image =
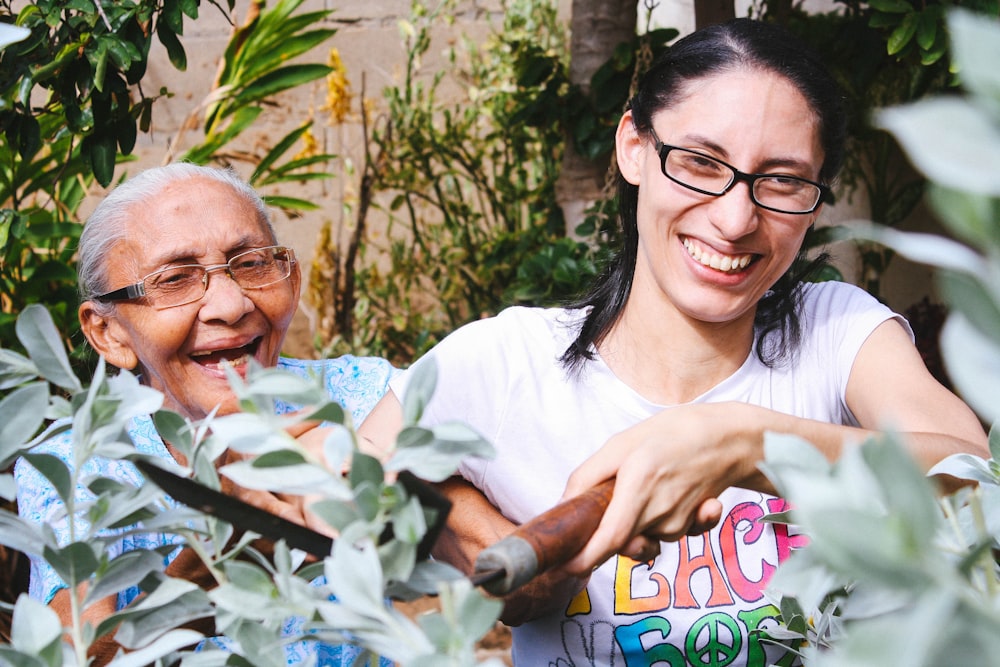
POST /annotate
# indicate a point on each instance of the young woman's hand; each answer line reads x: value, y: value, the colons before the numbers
x: 669, y: 470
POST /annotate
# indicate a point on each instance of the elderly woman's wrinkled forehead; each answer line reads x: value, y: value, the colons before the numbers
x: 208, y: 201
x: 184, y: 204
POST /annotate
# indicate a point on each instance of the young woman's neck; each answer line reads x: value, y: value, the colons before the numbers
x: 669, y: 358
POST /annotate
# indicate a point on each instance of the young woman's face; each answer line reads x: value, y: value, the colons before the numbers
x: 182, y: 351
x: 713, y: 257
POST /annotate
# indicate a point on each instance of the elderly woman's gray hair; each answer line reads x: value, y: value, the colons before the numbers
x: 107, y: 225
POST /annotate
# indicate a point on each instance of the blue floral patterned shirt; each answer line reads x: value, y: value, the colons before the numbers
x: 356, y: 383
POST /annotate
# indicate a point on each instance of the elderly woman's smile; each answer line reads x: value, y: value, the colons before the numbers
x: 182, y: 350
x: 220, y: 358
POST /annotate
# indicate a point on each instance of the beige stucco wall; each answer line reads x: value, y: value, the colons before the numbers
x: 370, y: 45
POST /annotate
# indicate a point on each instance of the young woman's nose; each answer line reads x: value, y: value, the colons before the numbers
x: 734, y: 213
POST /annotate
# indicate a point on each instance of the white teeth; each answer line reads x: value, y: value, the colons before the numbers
x: 724, y: 263
x: 241, y: 360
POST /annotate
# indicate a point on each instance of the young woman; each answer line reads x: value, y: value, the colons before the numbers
x: 696, y: 341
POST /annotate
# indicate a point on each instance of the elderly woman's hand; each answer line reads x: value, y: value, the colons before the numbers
x: 286, y: 506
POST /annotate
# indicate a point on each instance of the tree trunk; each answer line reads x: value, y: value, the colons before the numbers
x: 707, y: 12
x: 596, y: 28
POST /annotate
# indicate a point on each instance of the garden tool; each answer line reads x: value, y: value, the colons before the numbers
x: 549, y: 539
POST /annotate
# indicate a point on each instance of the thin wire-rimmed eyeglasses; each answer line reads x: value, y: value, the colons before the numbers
x: 187, y: 283
x: 711, y: 176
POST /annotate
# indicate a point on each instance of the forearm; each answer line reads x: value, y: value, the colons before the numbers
x: 479, y: 525
x: 467, y: 532
x: 103, y: 648
x: 927, y: 448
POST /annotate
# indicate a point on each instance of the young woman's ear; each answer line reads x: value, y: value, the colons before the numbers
x: 107, y: 336
x: 628, y: 149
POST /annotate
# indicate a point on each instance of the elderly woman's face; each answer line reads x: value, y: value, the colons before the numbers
x: 182, y: 351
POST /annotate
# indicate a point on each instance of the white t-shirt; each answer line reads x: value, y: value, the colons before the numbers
x: 702, y: 597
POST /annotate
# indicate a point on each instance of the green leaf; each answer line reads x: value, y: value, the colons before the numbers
x: 35, y: 627
x: 22, y: 413
x: 408, y: 522
x: 171, y: 17
x: 968, y: 295
x: 477, y: 613
x: 423, y: 379
x: 175, y: 50
x: 12, y: 34
x: 54, y: 470
x: 891, y: 6
x: 278, y: 459
x: 20, y: 534
x: 190, y: 8
x: 279, y: 149
x: 102, y: 149
x: 165, y: 645
x: 436, y: 458
x: 291, y: 203
x: 966, y: 466
x: 249, y: 433
x: 365, y: 468
x: 925, y: 248
x: 973, y: 218
x: 906, y: 490
x: 328, y: 412
x: 995, y: 442
x: 927, y: 27
x: 951, y: 141
x: 173, y: 603
x: 38, y: 333
x: 100, y: 58
x: 903, y: 34
x: 175, y: 429
x: 295, y: 479
x: 973, y: 364
x: 976, y: 45
x: 278, y: 81
x: 15, y: 369
x: 336, y: 514
x: 74, y: 562
x: 287, y: 386
x: 8, y: 486
x: 125, y: 571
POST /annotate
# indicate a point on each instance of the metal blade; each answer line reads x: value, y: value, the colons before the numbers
x: 272, y: 526
x: 235, y: 511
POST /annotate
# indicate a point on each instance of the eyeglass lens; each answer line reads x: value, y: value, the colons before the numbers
x: 178, y: 285
x: 706, y: 174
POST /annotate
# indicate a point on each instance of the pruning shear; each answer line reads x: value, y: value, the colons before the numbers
x: 549, y: 539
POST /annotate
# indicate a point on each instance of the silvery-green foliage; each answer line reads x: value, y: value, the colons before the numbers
x: 881, y: 555
x: 893, y: 573
x: 254, y: 594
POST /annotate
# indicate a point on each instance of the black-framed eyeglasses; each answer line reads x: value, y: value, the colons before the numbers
x: 186, y: 283
x: 711, y: 176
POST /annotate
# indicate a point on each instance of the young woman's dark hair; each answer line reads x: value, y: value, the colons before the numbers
x: 736, y: 44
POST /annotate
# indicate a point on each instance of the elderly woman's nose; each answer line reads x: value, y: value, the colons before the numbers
x: 224, y: 299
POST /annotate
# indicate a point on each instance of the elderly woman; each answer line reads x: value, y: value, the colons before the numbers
x: 181, y: 275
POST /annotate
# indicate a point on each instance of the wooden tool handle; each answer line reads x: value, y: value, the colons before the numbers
x: 550, y: 539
